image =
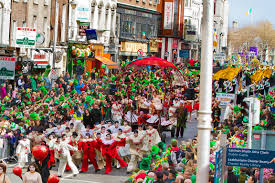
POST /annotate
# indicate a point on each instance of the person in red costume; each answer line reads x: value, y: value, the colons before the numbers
x: 88, y: 147
x: 109, y: 151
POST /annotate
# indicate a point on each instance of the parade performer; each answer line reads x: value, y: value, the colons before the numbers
x: 88, y: 147
x: 109, y: 151
x: 181, y: 119
x: 77, y: 155
x: 22, y: 151
x: 152, y: 138
x: 62, y: 152
x: 51, y: 141
x: 117, y: 111
x: 136, y: 143
x: 123, y: 151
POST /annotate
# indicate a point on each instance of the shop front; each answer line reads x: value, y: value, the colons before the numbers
x: 133, y: 50
x: 89, y: 57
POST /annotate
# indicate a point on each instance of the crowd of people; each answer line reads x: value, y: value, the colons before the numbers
x: 117, y: 120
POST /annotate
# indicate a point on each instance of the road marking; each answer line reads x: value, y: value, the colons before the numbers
x: 77, y: 180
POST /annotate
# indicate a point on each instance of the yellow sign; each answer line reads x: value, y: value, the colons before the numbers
x: 153, y: 45
x: 133, y: 47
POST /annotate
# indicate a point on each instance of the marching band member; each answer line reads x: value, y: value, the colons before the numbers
x: 151, y: 138
x: 117, y: 111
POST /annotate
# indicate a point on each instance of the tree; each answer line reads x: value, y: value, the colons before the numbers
x: 258, y: 35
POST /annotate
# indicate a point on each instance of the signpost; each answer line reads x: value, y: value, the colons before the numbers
x: 140, y: 52
x: 251, y: 158
x: 25, y: 37
x: 225, y: 98
x: 219, y: 56
x: 7, y: 68
x: 218, y: 166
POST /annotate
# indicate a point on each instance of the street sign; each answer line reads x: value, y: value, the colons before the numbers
x: 25, y: 37
x: 218, y: 166
x: 252, y: 158
x: 54, y: 74
x: 225, y: 98
x: 184, y: 53
x: 140, y: 52
x: 219, y: 56
x: 7, y: 68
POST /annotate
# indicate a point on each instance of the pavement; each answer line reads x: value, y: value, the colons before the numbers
x: 117, y: 175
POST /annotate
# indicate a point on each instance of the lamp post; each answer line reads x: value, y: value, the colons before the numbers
x: 204, y: 120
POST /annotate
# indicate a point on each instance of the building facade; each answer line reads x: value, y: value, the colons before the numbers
x: 192, y: 28
x: 172, y: 28
x: 5, y: 11
x: 35, y: 15
x: 138, y: 22
x: 221, y: 14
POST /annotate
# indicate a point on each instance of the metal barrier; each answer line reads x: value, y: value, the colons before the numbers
x: 7, y: 150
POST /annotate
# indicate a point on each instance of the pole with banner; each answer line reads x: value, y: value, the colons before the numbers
x: 204, y: 125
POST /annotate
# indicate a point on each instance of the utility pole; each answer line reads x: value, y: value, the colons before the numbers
x: 204, y: 125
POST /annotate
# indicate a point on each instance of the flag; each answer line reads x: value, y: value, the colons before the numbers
x: 249, y: 12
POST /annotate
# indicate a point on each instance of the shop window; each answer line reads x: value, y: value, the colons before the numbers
x: 128, y: 27
x: 138, y: 30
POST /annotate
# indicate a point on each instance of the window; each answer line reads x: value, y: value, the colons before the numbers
x: 138, y: 30
x: 186, y: 3
x: 144, y: 1
x: 35, y: 1
x: 46, y: 2
x: 34, y: 22
x: 24, y: 24
x: 45, y: 26
x: 63, y: 23
x: 150, y: 1
x: 106, y: 19
x: 14, y: 27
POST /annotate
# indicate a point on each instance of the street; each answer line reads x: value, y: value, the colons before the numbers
x: 117, y: 175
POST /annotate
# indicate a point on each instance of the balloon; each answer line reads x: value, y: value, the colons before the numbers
x: 103, y: 66
x: 53, y: 179
x: 40, y: 152
x: 17, y: 171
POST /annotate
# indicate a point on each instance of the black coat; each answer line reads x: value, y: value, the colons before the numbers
x: 96, y: 115
x: 87, y: 120
x: 44, y: 169
x: 232, y: 178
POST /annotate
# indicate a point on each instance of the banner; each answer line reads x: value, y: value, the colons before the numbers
x: 83, y: 14
x: 225, y: 98
x: 25, y: 37
x: 7, y: 68
x: 168, y: 15
x: 91, y: 34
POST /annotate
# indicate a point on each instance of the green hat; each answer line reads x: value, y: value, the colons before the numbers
x: 155, y: 150
x: 161, y: 146
x: 193, y: 178
x: 56, y: 102
x: 2, y: 108
x: 212, y: 143
x: 33, y: 116
x: 67, y: 95
x: 62, y: 98
x: 145, y: 164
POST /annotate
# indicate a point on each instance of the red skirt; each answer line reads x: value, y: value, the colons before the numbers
x: 51, y: 162
x: 196, y: 107
x: 189, y: 108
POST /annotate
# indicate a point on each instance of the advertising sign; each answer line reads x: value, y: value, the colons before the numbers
x: 184, y: 53
x: 83, y: 14
x: 168, y: 15
x: 25, y: 37
x: 225, y: 98
x: 7, y: 67
x: 219, y: 56
x: 218, y: 166
x: 82, y: 27
x: 252, y: 158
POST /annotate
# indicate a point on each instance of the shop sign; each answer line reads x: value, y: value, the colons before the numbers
x: 7, y: 68
x: 184, y: 53
x: 133, y: 47
x: 168, y: 15
x: 25, y: 37
x: 83, y: 14
x: 82, y: 27
x: 153, y: 45
x: 175, y: 44
x: 39, y: 56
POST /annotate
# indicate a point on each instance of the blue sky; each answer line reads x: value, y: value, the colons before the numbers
x: 262, y: 10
